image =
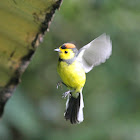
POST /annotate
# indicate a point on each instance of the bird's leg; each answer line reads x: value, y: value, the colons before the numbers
x: 65, y: 94
x: 59, y: 84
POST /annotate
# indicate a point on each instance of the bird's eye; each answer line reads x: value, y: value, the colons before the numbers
x: 66, y: 51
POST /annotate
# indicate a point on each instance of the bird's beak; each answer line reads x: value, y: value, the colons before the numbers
x: 57, y: 50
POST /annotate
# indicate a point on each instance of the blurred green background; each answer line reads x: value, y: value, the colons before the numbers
x: 112, y: 90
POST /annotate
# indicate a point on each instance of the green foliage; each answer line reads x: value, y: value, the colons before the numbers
x: 112, y: 90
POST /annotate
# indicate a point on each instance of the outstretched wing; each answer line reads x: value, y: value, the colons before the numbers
x: 95, y: 53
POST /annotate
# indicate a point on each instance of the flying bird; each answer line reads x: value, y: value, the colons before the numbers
x: 73, y: 64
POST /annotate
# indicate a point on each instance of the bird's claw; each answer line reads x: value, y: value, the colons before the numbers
x: 59, y: 84
x: 65, y: 94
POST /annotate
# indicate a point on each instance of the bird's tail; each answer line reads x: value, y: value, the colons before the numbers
x: 74, y: 109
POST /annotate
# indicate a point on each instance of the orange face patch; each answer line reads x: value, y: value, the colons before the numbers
x: 69, y: 45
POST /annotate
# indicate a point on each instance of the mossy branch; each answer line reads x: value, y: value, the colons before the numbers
x: 22, y: 28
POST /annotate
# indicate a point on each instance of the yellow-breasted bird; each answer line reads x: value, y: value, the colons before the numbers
x: 72, y: 66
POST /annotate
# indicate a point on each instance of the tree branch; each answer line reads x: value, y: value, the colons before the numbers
x: 22, y: 28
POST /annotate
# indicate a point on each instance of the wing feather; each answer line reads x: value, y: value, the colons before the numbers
x: 95, y: 53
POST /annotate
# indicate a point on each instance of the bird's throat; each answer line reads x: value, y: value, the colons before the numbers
x: 68, y: 61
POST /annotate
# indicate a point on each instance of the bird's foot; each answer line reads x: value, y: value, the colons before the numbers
x: 59, y: 84
x: 65, y: 94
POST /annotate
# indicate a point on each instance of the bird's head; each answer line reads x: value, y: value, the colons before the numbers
x: 67, y: 51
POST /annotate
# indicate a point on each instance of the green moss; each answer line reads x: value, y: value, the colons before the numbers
x: 20, y: 22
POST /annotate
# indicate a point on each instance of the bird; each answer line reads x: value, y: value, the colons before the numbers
x: 73, y: 64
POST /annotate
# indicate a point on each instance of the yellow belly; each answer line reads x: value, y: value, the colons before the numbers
x: 72, y: 75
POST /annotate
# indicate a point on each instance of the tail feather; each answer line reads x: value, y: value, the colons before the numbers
x: 74, y: 109
x: 80, y: 114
